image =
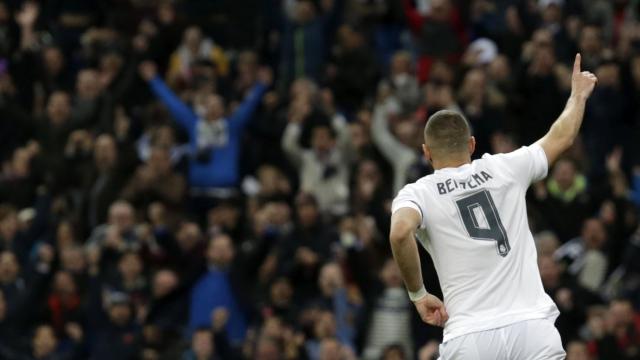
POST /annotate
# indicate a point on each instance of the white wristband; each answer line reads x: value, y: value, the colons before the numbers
x: 417, y: 295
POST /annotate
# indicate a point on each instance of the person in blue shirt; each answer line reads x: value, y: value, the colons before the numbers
x: 214, y: 292
x: 214, y: 136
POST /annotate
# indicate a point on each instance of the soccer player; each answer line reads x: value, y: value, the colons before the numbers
x: 471, y: 217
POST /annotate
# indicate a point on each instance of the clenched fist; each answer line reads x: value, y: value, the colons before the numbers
x: 432, y: 310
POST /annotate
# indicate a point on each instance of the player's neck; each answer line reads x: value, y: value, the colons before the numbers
x: 450, y: 163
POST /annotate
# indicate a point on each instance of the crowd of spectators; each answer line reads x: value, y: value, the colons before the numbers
x: 209, y: 179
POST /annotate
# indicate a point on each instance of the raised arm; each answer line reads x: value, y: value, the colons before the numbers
x: 290, y: 143
x: 404, y: 223
x: 245, y: 111
x: 343, y: 134
x: 389, y: 146
x: 178, y: 109
x: 565, y: 129
x: 26, y: 19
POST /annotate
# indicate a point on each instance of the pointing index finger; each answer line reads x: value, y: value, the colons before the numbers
x: 576, y: 64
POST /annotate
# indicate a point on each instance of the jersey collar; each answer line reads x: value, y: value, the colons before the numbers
x: 453, y: 170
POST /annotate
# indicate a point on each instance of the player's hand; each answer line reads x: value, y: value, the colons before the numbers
x: 582, y: 82
x: 432, y: 310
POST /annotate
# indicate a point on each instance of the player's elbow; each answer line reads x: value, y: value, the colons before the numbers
x: 556, y: 144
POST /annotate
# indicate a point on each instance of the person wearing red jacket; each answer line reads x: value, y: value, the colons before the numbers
x: 439, y: 34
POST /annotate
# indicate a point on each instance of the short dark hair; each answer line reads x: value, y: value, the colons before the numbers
x: 447, y: 132
x: 325, y: 126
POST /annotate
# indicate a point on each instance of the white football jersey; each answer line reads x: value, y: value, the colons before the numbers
x: 475, y: 227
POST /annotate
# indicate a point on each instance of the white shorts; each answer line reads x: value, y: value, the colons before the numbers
x: 525, y: 340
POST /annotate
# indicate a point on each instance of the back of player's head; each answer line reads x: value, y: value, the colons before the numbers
x: 447, y: 134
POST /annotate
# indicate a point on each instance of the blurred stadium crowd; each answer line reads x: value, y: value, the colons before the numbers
x: 208, y: 179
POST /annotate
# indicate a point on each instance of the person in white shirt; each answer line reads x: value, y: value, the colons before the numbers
x: 471, y: 217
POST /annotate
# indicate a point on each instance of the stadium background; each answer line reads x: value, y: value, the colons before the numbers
x: 129, y: 229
